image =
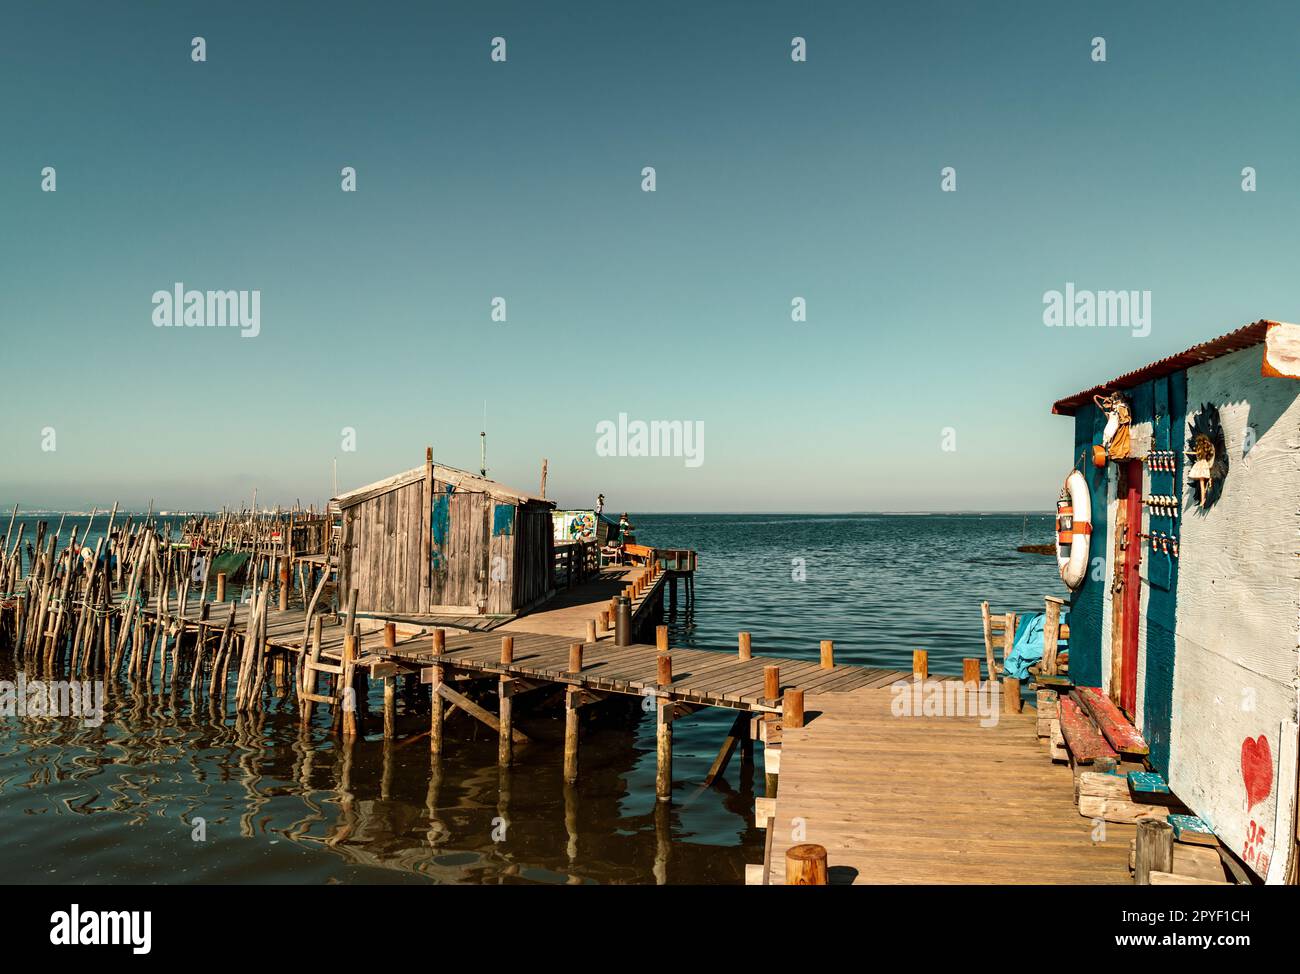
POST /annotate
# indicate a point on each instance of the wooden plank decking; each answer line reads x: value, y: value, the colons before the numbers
x: 934, y: 800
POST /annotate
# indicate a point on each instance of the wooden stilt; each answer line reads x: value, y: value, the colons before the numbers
x: 664, y: 750
x: 390, y: 707
x: 571, y: 735
x: 505, y: 745
x: 435, y: 701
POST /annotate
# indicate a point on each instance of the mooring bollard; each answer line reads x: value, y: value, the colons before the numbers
x: 792, y: 708
x: 805, y: 865
x: 828, y: 654
x: 390, y: 635
x: 664, y: 669
x: 221, y: 586
x: 745, y: 652
x: 920, y: 664
x: 623, y: 623
x: 661, y: 638
x: 507, y: 650
x: 772, y: 683
x: 1011, y: 703
x: 603, y: 619
x: 575, y: 657
x: 591, y: 630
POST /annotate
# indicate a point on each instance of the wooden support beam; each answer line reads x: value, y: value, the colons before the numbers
x: 739, y: 730
x: 474, y: 710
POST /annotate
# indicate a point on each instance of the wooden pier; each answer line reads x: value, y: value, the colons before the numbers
x: 942, y: 800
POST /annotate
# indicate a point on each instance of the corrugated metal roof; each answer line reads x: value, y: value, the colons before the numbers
x: 463, y: 479
x: 1233, y: 341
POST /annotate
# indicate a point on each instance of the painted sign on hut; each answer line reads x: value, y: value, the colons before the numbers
x: 437, y: 541
x: 1188, y: 612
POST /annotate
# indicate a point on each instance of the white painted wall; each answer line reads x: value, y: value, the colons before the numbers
x: 1237, y: 631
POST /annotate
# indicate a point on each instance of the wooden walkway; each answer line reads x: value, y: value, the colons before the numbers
x: 934, y: 800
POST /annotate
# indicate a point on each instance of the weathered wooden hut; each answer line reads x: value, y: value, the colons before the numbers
x: 1188, y: 614
x: 437, y: 541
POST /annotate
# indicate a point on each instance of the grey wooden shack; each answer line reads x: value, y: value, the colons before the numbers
x: 438, y: 541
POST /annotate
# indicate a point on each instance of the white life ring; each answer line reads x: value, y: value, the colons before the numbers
x: 1073, y: 529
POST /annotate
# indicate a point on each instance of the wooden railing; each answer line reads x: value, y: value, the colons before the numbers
x: 575, y: 561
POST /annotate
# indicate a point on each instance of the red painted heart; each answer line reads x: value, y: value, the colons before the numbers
x: 1256, y: 769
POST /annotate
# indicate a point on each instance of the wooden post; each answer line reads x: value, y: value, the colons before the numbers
x: 507, y: 650
x: 805, y: 865
x: 284, y: 583
x: 664, y: 750
x: 745, y: 648
x: 604, y: 620
x: 591, y: 630
x: 346, y: 695
x: 435, y: 718
x: 390, y: 707
x: 221, y: 586
x: 571, y: 725
x: 505, y: 744
x: 772, y: 683
x: 390, y: 635
x: 920, y: 664
x: 970, y: 672
x: 792, y: 708
x: 661, y: 638
x: 1011, y: 703
x: 575, y: 657
x: 664, y: 669
x: 828, y: 654
x: 1155, y: 849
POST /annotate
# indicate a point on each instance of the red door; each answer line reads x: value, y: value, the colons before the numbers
x: 1131, y: 549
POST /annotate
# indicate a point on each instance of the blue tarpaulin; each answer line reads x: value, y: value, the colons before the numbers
x: 1028, y: 647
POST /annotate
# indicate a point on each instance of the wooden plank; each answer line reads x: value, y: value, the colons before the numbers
x: 1081, y: 737
x: 1120, y: 734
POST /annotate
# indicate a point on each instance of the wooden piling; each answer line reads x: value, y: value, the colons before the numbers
x: 664, y: 669
x: 390, y: 707
x: 661, y: 638
x: 507, y: 650
x: 347, y: 696
x: 575, y: 657
x: 664, y: 750
x: 623, y: 623
x: 604, y: 620
x: 970, y: 671
x: 390, y: 635
x: 435, y: 716
x: 591, y: 630
x: 505, y: 719
x: 571, y: 728
x: 745, y: 647
x: 828, y: 654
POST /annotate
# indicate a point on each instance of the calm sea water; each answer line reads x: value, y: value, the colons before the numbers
x: 167, y: 793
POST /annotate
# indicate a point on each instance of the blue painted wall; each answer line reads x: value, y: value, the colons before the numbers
x: 1087, y: 600
x: 1168, y: 404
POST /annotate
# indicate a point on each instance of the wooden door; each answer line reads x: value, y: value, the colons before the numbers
x: 1131, y: 564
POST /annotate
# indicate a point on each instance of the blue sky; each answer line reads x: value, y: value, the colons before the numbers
x: 522, y: 179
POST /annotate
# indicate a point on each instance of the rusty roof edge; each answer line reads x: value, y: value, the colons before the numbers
x: 1233, y: 341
